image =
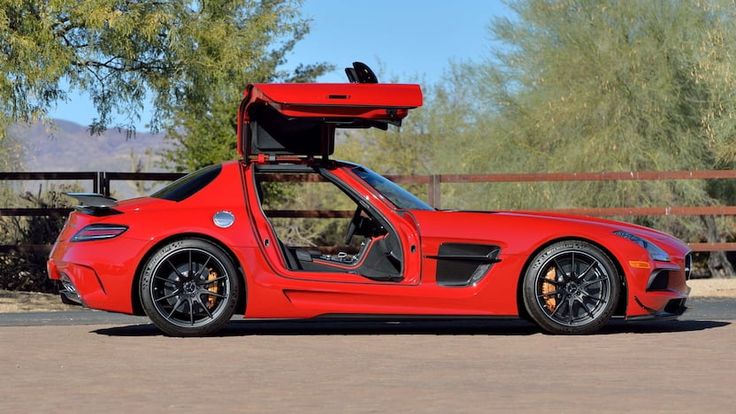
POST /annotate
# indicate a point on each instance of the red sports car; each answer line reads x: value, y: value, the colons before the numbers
x: 287, y: 232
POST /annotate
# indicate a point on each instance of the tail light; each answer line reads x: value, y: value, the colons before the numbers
x: 99, y: 232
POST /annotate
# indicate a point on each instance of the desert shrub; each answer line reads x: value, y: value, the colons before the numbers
x: 24, y: 268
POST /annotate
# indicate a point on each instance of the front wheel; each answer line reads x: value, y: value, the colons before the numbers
x: 571, y: 287
x: 189, y: 287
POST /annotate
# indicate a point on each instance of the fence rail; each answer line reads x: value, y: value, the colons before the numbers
x: 101, y: 181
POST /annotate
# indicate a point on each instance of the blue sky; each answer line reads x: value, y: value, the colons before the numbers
x: 404, y: 39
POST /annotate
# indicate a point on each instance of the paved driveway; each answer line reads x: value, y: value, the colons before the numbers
x: 375, y: 366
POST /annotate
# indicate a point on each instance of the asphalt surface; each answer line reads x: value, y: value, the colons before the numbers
x: 698, y: 309
x: 95, y: 362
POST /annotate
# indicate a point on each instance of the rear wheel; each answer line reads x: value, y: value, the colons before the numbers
x: 189, y: 288
x: 571, y: 287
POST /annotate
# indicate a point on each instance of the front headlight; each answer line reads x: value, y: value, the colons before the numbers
x: 655, y: 252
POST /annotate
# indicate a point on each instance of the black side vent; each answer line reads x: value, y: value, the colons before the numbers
x: 461, y: 264
x: 659, y: 280
x: 676, y: 307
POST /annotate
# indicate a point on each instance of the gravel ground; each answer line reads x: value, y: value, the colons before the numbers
x: 685, y: 366
x: 118, y: 363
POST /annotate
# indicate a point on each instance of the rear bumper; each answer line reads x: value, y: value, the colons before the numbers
x: 68, y: 293
x: 97, y: 274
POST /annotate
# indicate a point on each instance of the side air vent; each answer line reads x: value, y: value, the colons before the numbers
x: 659, y: 280
x: 461, y: 264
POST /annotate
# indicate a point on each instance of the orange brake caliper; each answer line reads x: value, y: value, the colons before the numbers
x: 550, y: 301
x: 213, y: 288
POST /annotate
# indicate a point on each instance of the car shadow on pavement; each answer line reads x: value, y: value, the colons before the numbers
x: 411, y: 327
x: 654, y: 327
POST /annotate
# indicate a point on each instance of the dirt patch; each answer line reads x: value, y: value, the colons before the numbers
x: 713, y: 288
x: 30, y: 302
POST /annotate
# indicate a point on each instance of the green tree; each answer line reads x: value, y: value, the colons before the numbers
x: 616, y: 86
x: 583, y: 85
x: 10, y: 154
x: 203, y: 132
x: 185, y: 55
x: 442, y: 136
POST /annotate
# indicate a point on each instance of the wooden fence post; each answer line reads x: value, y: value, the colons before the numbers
x: 435, y: 192
x: 96, y: 183
x: 102, y: 184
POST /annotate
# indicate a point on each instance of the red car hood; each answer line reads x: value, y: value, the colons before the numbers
x: 529, y: 227
x: 638, y: 230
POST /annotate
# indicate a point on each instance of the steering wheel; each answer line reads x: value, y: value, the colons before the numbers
x: 354, y: 224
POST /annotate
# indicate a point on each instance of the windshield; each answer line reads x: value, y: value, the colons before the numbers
x: 397, y: 195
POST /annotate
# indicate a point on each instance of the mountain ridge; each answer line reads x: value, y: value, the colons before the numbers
x: 61, y: 145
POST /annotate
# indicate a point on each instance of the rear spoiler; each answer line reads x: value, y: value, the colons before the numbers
x: 95, y: 204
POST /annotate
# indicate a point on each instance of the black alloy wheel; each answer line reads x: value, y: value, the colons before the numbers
x: 189, y: 288
x: 571, y: 287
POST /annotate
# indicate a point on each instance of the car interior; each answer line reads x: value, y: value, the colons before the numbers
x: 321, y: 228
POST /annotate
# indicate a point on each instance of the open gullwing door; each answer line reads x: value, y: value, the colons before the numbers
x: 301, y: 119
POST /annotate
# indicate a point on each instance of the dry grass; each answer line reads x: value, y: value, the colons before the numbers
x: 30, y: 302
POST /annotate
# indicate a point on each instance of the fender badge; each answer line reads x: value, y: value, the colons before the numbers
x: 223, y: 219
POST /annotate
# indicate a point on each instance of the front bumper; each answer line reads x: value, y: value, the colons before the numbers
x: 673, y: 309
x: 660, y: 291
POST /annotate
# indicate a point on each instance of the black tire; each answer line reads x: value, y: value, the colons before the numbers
x: 189, y: 287
x: 571, y: 287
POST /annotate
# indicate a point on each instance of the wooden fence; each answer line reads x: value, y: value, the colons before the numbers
x: 101, y: 181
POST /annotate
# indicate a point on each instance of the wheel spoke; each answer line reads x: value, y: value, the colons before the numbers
x: 590, y: 282
x: 592, y: 316
x: 552, y: 282
x: 572, y: 265
x: 189, y: 273
x: 207, y: 282
x: 559, y: 269
x: 178, y: 273
x: 171, y: 295
x: 570, y: 315
x: 165, y: 279
x: 207, y: 311
x: 178, y: 303
x: 585, y: 272
x: 204, y: 266
x: 597, y: 298
x: 559, y: 306
x: 191, y: 311
x: 208, y: 293
x: 544, y: 295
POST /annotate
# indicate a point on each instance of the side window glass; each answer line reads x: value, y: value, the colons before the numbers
x: 322, y: 229
x: 307, y: 211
